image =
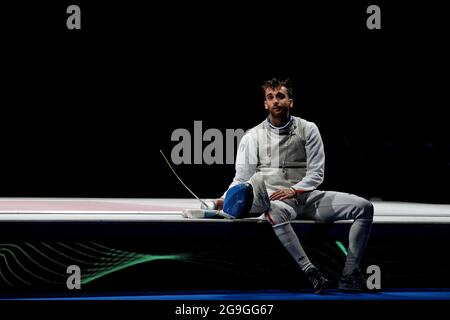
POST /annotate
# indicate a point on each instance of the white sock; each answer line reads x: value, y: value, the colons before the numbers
x: 289, y: 239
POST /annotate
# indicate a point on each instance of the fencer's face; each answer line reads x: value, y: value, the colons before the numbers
x: 277, y: 101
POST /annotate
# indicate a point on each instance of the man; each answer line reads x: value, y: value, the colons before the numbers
x: 282, y: 161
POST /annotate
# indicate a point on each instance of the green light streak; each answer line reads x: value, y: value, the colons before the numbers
x: 108, y: 260
x: 138, y: 260
x: 341, y: 246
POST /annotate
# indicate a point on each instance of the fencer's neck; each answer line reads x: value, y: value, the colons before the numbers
x: 279, y: 123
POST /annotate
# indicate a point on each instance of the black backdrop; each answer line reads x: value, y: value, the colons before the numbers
x: 85, y: 112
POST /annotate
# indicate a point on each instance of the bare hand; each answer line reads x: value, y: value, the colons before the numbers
x: 218, y: 204
x: 282, y: 194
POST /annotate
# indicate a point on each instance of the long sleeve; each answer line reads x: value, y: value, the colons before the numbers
x: 315, y: 159
x: 246, y: 159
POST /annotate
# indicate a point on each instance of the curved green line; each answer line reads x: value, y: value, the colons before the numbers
x: 105, y: 247
x: 46, y: 256
x: 139, y: 260
x: 3, y: 277
x: 76, y: 251
x: 110, y: 253
x: 9, y: 268
x: 65, y: 255
x: 31, y: 259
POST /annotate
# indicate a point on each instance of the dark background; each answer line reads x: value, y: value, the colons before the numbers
x: 85, y: 112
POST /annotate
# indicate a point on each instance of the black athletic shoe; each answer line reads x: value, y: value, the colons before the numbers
x: 355, y: 282
x: 318, y: 279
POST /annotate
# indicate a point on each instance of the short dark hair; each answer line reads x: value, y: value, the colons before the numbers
x: 275, y: 83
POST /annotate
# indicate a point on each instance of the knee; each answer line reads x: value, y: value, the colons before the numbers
x: 365, y: 209
x: 275, y: 219
x: 277, y: 215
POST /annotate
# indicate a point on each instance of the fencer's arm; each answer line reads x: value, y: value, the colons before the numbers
x: 246, y: 160
x: 315, y: 160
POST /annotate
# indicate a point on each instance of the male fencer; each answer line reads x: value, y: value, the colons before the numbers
x: 279, y: 166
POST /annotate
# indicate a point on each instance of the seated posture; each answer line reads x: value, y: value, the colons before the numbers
x: 279, y: 166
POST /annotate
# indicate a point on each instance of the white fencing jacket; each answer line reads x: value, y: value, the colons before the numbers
x: 288, y: 156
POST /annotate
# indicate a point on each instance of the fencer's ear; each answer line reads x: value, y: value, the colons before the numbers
x: 291, y: 103
x: 266, y: 106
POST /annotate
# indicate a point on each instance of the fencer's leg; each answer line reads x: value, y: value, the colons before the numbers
x: 261, y: 202
x: 280, y: 215
x: 331, y: 206
x: 358, y: 235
